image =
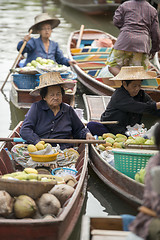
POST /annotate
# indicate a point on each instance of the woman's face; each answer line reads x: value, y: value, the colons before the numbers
x: 53, y: 96
x: 133, y: 88
x: 46, y: 30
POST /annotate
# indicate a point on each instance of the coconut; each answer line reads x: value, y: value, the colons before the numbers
x: 62, y: 192
x: 6, y: 203
x: 24, y: 207
x: 48, y: 204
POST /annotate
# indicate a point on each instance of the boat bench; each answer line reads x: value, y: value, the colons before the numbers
x: 90, y: 50
x: 108, y: 234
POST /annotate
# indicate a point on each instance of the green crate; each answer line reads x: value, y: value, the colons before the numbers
x: 130, y: 162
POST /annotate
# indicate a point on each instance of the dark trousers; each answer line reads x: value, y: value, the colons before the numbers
x: 97, y: 128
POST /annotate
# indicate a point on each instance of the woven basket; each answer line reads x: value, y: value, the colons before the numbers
x: 32, y: 189
x: 130, y: 161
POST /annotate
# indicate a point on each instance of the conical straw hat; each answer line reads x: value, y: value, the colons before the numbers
x: 134, y: 73
x: 42, y: 18
x: 51, y: 79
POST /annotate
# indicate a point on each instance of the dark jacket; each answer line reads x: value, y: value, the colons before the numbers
x: 40, y: 122
x: 127, y: 110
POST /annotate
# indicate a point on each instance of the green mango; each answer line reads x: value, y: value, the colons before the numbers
x: 121, y: 136
x: 136, y: 177
x: 110, y: 140
x: 120, y: 139
x: 140, y: 140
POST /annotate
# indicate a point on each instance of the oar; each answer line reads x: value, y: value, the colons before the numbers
x: 105, y: 122
x: 80, y: 36
x: 16, y: 61
x: 54, y: 140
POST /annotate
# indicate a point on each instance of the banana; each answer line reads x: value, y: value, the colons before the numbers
x: 30, y: 170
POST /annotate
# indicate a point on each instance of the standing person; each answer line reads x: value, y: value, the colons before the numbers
x: 50, y: 117
x: 139, y: 36
x: 43, y: 46
x: 147, y: 223
x: 128, y: 103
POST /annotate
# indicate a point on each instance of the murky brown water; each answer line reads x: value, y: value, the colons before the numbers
x: 16, y: 18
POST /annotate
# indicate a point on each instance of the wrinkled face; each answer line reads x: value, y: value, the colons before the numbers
x: 45, y: 30
x: 53, y: 96
x: 133, y: 87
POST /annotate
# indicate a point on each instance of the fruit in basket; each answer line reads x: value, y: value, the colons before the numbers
x: 62, y: 192
x: 24, y: 207
x: 149, y: 142
x: 105, y: 135
x: 30, y: 170
x: 121, y: 136
x: 31, y: 148
x: 39, y: 146
x: 120, y: 139
x: 140, y: 176
x: 110, y: 140
x: 140, y: 140
x: 118, y: 145
x: 6, y: 203
x: 48, y: 204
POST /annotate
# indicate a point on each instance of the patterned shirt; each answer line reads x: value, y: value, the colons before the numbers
x: 40, y: 122
x: 151, y: 199
x: 35, y: 48
x: 138, y: 23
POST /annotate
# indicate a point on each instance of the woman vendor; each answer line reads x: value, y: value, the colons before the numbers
x: 128, y: 103
x: 43, y: 47
x: 51, y: 118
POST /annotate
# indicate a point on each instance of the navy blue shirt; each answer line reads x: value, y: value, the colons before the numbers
x: 40, y: 122
x: 35, y: 48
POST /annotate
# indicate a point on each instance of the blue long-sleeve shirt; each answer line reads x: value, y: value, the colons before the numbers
x: 35, y: 48
x: 40, y: 122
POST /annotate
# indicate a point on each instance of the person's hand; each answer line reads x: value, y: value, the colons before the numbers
x: 89, y: 136
x: 72, y: 62
x: 27, y: 38
x: 158, y: 105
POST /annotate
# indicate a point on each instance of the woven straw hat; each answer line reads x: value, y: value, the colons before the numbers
x: 134, y: 73
x: 51, y: 79
x: 42, y: 18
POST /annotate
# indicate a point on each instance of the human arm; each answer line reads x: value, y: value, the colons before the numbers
x: 59, y: 57
x: 155, y: 36
x: 118, y: 18
x: 27, y: 130
x: 30, y: 46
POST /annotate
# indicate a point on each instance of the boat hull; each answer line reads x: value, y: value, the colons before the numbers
x: 60, y: 227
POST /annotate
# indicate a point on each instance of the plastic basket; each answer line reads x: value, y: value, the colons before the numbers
x: 62, y: 170
x: 130, y: 161
x: 25, y: 81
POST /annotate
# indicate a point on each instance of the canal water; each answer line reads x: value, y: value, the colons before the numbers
x: 16, y: 18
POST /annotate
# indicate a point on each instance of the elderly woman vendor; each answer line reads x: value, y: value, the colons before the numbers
x: 43, y: 47
x: 128, y: 103
x: 50, y: 117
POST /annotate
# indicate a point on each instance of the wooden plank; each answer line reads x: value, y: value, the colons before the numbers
x: 91, y: 57
x: 90, y: 50
x: 108, y: 235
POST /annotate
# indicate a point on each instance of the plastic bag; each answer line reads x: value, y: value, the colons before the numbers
x: 136, y: 130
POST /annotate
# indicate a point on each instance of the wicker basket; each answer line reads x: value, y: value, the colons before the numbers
x: 32, y: 189
x: 130, y: 161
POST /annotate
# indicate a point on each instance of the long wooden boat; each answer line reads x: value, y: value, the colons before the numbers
x: 90, y: 60
x: 21, y: 98
x: 92, y: 7
x: 61, y: 226
x: 96, y: 228
x: 126, y: 187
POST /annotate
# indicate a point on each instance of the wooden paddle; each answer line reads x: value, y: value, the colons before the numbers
x: 16, y: 61
x: 55, y: 140
x: 105, y: 122
x: 80, y: 36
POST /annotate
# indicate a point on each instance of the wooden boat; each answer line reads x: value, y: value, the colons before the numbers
x: 21, y: 98
x: 92, y: 7
x: 96, y: 228
x: 126, y: 187
x: 60, y: 227
x: 90, y: 60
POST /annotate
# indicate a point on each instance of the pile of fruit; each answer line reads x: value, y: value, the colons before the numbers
x: 42, y: 63
x: 41, y: 145
x: 140, y: 176
x: 121, y: 141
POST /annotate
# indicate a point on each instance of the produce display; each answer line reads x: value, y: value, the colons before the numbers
x: 42, y: 64
x: 140, y: 175
x: 121, y: 141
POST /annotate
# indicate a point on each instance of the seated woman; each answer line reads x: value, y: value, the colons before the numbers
x: 128, y: 103
x: 43, y: 47
x: 51, y: 118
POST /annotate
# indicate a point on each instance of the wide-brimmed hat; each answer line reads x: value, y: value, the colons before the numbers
x: 134, y: 73
x: 42, y: 18
x: 51, y: 79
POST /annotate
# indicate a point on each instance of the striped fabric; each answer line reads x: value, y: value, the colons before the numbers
x: 91, y: 58
x: 78, y: 51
